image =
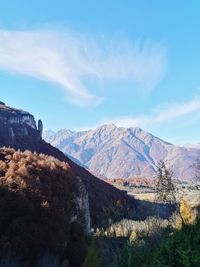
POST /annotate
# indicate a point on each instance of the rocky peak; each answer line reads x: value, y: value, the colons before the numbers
x: 107, y: 127
x: 112, y: 151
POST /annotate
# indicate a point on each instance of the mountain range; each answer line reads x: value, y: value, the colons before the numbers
x: 115, y: 152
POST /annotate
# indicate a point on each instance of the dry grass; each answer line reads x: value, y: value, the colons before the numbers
x: 190, y: 192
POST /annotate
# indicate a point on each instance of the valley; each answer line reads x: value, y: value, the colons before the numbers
x: 99, y: 133
x: 190, y: 191
x: 97, y: 212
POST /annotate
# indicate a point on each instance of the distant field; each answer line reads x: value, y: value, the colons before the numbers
x: 192, y: 197
x: 189, y: 192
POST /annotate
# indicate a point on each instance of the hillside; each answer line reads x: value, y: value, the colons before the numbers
x: 18, y: 130
x: 41, y: 201
x: 116, y: 152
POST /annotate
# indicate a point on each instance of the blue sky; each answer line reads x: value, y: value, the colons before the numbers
x: 79, y: 64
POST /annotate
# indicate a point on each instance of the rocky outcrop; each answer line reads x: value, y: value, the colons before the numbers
x: 116, y: 152
x: 40, y: 127
x: 83, y: 207
x: 16, y: 116
x: 15, y: 125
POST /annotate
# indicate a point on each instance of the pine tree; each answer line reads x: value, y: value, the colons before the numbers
x: 165, y: 190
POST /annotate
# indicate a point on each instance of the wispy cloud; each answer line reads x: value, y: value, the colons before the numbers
x: 68, y: 59
x: 162, y: 114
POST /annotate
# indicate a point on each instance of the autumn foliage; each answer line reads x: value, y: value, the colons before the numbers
x: 37, y: 202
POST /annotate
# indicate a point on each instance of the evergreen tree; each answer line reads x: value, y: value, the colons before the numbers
x: 165, y: 188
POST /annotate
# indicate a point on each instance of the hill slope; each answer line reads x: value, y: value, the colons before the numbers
x: 18, y: 130
x: 41, y: 201
x: 116, y: 152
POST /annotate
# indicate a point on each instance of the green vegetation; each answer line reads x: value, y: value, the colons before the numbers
x: 180, y: 248
x: 168, y: 247
x: 92, y: 259
x: 154, y: 242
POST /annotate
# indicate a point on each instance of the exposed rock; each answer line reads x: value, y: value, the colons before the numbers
x: 83, y: 204
x: 116, y: 152
x: 40, y: 127
x: 15, y: 125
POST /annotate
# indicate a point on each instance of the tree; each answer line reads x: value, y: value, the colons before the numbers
x: 197, y: 168
x: 185, y: 211
x: 92, y: 259
x: 165, y: 190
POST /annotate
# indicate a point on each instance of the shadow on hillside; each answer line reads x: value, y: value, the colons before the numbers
x: 147, y: 209
x: 28, y: 230
x: 33, y: 236
x: 133, y: 209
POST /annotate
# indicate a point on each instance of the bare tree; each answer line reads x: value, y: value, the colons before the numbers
x: 165, y: 190
x: 197, y: 169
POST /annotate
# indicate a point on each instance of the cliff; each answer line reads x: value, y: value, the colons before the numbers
x: 17, y: 124
x: 107, y: 204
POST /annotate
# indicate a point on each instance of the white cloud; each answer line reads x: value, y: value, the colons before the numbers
x: 67, y: 59
x: 163, y: 114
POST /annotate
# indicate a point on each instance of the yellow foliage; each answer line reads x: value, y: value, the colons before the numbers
x: 179, y: 222
x: 133, y: 236
x: 185, y: 211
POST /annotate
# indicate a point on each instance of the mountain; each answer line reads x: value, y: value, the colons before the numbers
x: 116, y: 152
x: 197, y: 145
x: 18, y: 130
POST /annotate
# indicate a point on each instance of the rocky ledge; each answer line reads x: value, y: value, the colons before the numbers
x: 16, y: 123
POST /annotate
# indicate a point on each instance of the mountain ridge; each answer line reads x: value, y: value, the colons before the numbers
x: 117, y: 152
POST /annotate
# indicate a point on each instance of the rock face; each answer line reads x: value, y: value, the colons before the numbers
x: 40, y: 127
x: 115, y: 152
x: 15, y: 125
x: 18, y: 130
